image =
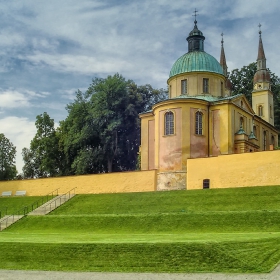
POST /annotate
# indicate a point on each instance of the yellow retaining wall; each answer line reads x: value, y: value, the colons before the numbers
x: 138, y: 181
x: 239, y: 170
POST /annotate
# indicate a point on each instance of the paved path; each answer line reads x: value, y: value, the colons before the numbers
x: 52, y: 275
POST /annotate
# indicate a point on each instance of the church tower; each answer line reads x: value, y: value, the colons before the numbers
x: 262, y: 97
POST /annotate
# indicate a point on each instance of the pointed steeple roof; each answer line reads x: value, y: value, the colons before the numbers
x: 223, y: 61
x: 262, y: 74
x: 261, y: 55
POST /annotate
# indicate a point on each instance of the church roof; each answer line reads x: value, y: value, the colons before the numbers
x: 208, y: 98
x: 196, y: 61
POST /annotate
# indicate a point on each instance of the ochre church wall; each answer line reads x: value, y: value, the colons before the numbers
x: 138, y: 181
x: 239, y: 170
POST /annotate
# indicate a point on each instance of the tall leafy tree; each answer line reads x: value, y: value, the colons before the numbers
x: 114, y: 117
x: 42, y: 159
x: 7, y: 159
x: 102, y: 130
x: 79, y: 139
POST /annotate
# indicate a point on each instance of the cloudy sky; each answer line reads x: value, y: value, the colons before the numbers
x: 49, y: 49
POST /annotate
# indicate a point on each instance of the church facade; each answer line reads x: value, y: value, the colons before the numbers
x: 202, y: 119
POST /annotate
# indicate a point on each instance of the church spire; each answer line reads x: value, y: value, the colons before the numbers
x: 261, y: 60
x: 262, y: 75
x: 223, y: 61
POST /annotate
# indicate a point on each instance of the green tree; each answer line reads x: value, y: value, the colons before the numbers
x: 42, y: 159
x: 7, y: 159
x: 114, y: 118
x: 79, y: 139
x: 102, y: 130
x: 242, y: 80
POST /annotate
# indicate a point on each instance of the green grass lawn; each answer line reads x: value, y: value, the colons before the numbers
x: 10, y: 205
x: 227, y: 230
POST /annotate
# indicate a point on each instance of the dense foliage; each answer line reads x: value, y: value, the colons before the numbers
x: 42, y: 158
x: 7, y: 159
x: 100, y: 134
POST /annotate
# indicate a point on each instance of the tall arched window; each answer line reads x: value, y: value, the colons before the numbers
x: 255, y: 130
x: 205, y: 85
x: 184, y: 87
x: 198, y: 123
x: 260, y: 110
x: 241, y: 122
x: 264, y: 140
x: 169, y: 123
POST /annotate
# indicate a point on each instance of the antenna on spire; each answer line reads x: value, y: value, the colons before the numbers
x: 195, y: 14
x: 260, y: 32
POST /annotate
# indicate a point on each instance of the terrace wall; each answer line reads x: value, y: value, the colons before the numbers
x: 138, y: 181
x: 238, y: 170
x: 225, y: 171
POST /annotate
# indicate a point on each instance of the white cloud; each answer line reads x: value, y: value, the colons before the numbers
x: 80, y: 64
x: 13, y: 99
x: 20, y: 131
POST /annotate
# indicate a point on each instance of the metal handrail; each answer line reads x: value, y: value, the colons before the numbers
x: 26, y: 209
x: 49, y: 206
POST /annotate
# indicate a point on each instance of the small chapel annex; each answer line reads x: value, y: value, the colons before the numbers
x: 201, y: 118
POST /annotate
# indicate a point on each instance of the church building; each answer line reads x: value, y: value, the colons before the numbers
x: 202, y: 119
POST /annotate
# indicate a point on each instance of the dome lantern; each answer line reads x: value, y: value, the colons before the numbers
x: 195, y: 38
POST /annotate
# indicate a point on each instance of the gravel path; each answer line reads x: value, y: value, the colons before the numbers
x: 52, y: 275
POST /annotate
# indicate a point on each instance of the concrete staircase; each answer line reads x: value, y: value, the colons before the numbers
x: 46, y: 208
x: 51, y: 205
x: 6, y: 221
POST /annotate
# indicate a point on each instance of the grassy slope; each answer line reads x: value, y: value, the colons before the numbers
x: 14, y: 204
x: 235, y: 230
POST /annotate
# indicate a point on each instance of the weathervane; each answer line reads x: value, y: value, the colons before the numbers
x: 222, y: 38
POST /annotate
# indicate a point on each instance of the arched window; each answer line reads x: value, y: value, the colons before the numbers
x: 205, y: 85
x: 222, y: 89
x: 198, y: 123
x: 169, y: 123
x: 270, y: 112
x: 260, y: 110
x: 241, y: 103
x: 264, y: 140
x: 241, y: 122
x: 184, y: 87
x: 255, y: 130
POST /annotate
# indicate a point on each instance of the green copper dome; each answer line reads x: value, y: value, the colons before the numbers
x: 196, y: 61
